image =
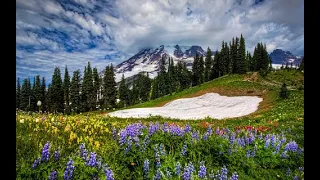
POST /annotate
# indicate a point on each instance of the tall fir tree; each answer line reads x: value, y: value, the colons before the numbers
x: 227, y: 60
x: 66, y: 90
x: 155, y: 88
x: 234, y: 55
x: 18, y: 93
x: 208, y: 64
x: 201, y: 70
x: 37, y: 90
x: 75, y: 88
x: 195, y: 70
x: 88, y: 90
x: 109, y: 88
x: 123, y: 92
x: 48, y: 99
x: 33, y: 102
x: 241, y: 61
x: 301, y: 67
x: 96, y: 85
x: 43, y: 93
x: 222, y: 62
x: 25, y: 95
x: 215, y: 66
x: 57, y: 91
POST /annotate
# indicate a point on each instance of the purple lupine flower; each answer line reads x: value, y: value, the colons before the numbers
x: 205, y: 136
x: 136, y: 141
x: 146, y: 167
x: 92, y: 160
x: 162, y: 150
x: 284, y: 154
x: 69, y: 170
x: 224, y: 173
x: 291, y: 146
x: 227, y: 130
x: 278, y: 148
x: 157, y: 176
x: 56, y: 154
x: 158, y: 163
x: 300, y: 150
x: 176, y: 130
x: 144, y: 143
x: 83, y: 151
x: 251, y: 138
x: 211, y: 175
x: 267, y: 143
x: 178, y: 169
x: 232, y: 138
x: 288, y: 172
x: 187, y: 128
x: 45, y: 152
x: 283, y: 140
x: 240, y: 142
x: 267, y: 137
x: 168, y: 173
x: 184, y: 150
x: 131, y: 130
x: 234, y: 176
x: 295, y: 178
x: 99, y: 162
x: 203, y: 171
x: 209, y: 131
x: 53, y: 175
x: 36, y: 163
x: 195, y: 135
x: 165, y: 127
x: 273, y: 139
x: 229, y: 151
x: 153, y: 128
x: 129, y: 145
x: 109, y: 173
x: 217, y: 131
x: 253, y: 153
x: 191, y: 167
x: 114, y: 133
x: 248, y: 153
x: 301, y: 169
x: 247, y: 140
x: 260, y: 136
x: 186, y: 174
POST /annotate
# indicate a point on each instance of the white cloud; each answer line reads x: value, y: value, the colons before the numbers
x: 128, y: 26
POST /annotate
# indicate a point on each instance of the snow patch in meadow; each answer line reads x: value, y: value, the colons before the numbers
x: 210, y: 104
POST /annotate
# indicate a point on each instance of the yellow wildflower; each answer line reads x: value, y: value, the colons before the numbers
x: 21, y: 120
x: 97, y: 144
x: 67, y: 128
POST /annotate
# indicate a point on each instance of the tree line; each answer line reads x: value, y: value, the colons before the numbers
x: 76, y: 94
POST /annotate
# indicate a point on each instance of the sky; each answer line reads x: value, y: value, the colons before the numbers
x: 60, y: 33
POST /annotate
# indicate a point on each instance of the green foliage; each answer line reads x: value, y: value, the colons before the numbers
x: 284, y: 91
x: 56, y: 95
x: 109, y: 88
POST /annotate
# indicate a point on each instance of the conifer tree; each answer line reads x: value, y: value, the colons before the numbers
x: 155, y: 88
x: 18, y: 94
x: 66, y: 90
x: 201, y: 70
x: 195, y: 70
x: 37, y: 90
x: 123, y: 92
x: 25, y: 95
x: 109, y: 88
x: 57, y: 91
x: 43, y: 94
x: 241, y: 61
x: 301, y: 67
x: 96, y: 85
x: 48, y: 99
x: 75, y: 89
x: 208, y: 65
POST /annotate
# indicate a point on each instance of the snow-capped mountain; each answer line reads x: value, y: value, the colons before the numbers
x: 278, y: 56
x: 149, y: 60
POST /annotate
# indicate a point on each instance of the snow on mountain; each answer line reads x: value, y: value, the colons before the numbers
x: 149, y: 60
x: 278, y: 56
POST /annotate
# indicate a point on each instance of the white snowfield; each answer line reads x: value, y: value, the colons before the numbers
x: 210, y: 104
